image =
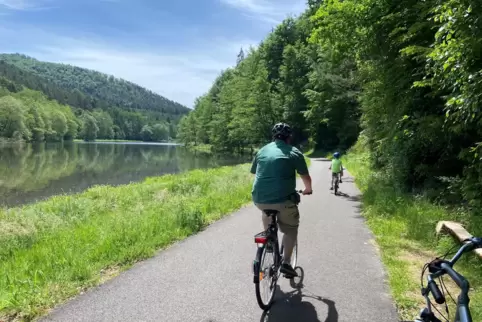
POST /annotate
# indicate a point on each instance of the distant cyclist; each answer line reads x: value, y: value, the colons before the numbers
x: 275, y: 167
x: 336, y: 168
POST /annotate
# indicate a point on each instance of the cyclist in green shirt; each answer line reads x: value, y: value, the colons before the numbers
x: 275, y: 166
x: 336, y: 168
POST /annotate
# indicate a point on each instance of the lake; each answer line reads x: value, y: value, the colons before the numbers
x: 31, y: 172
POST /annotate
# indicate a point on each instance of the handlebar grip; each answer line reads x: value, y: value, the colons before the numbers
x: 477, y: 242
x: 437, y: 295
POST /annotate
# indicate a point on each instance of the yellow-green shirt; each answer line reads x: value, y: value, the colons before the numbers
x: 336, y: 165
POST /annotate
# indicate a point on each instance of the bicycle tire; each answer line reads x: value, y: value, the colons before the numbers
x: 336, y: 187
x: 264, y: 305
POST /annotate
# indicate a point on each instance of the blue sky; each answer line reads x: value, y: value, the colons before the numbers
x: 175, y: 48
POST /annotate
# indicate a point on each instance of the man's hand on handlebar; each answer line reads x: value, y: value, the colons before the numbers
x: 307, y: 192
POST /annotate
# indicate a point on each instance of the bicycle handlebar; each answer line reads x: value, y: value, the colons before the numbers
x: 301, y: 191
x: 470, y: 244
x: 441, y: 267
x: 437, y: 294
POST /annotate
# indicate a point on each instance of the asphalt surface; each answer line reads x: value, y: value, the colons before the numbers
x: 208, y: 277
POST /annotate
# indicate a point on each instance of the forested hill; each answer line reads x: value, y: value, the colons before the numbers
x: 407, y: 75
x: 53, y: 102
x: 83, y: 84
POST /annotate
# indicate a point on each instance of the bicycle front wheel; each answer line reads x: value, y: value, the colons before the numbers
x: 266, y: 285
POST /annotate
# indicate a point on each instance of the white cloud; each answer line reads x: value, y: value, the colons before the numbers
x: 16, y: 4
x: 23, y: 4
x: 180, y: 76
x: 269, y: 11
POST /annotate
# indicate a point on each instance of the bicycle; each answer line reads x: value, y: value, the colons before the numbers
x: 268, y: 244
x: 337, y: 179
x: 438, y: 268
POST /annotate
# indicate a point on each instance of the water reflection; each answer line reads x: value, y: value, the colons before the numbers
x: 35, y: 171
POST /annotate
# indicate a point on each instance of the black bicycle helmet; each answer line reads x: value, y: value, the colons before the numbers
x: 281, y: 131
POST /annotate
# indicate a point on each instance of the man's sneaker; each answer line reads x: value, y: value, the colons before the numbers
x: 341, y: 181
x: 288, y: 270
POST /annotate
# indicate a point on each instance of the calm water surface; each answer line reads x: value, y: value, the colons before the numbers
x: 33, y: 172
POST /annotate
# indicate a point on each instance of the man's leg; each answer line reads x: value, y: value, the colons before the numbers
x: 332, y: 180
x: 289, y: 241
x: 289, y: 220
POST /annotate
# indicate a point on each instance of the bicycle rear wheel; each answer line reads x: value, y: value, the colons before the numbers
x: 336, y: 186
x: 266, y: 283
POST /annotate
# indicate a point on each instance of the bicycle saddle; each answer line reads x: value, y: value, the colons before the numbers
x: 271, y: 212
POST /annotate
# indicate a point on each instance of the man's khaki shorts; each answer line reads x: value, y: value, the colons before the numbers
x: 288, y: 217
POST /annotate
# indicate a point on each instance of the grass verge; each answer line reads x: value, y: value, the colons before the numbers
x: 404, y: 227
x: 52, y: 250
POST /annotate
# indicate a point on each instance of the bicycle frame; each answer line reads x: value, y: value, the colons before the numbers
x: 271, y: 238
x: 337, y: 182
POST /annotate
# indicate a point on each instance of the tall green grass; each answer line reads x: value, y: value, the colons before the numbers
x: 52, y: 250
x: 404, y: 227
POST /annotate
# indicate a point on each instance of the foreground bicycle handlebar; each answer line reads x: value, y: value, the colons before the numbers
x: 440, y: 267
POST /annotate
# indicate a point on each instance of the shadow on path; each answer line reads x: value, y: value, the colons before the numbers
x: 356, y: 198
x: 348, y: 179
x: 290, y: 307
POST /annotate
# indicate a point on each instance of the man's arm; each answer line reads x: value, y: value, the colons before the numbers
x: 307, y: 182
x: 254, y: 165
x: 302, y: 169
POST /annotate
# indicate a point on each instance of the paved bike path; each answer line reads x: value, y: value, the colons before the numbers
x: 208, y: 277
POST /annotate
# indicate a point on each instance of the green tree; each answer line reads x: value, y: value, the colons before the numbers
x: 147, y: 133
x: 58, y: 125
x: 105, y: 124
x: 12, y: 119
x: 36, y: 124
x: 89, y: 127
x: 172, y: 130
x: 118, y: 133
x: 160, y: 132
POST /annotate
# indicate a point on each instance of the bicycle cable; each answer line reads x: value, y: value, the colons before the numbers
x: 442, y: 282
x: 448, y: 292
x: 426, y: 266
x: 444, y: 288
